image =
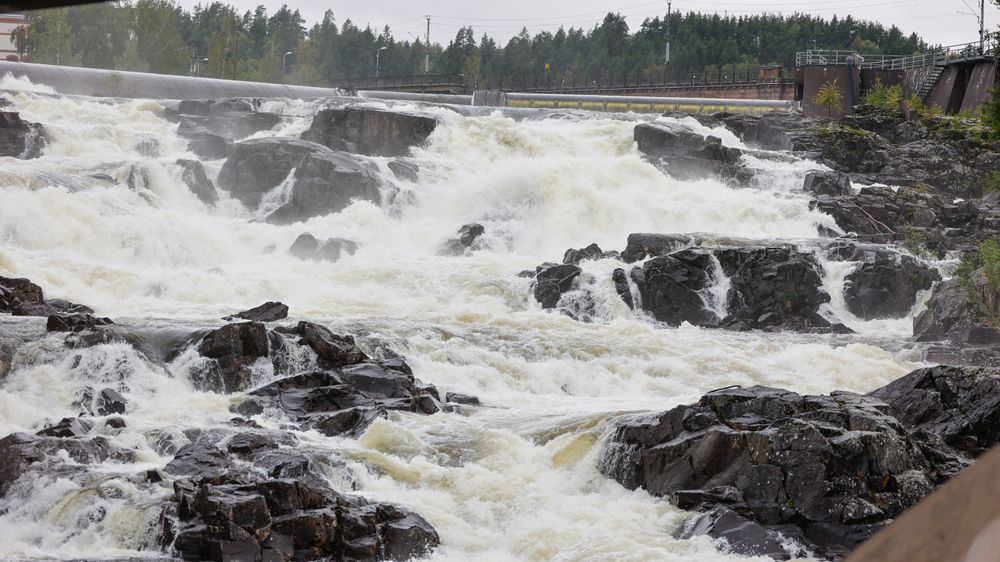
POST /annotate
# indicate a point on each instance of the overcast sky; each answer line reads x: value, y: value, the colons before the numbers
x: 935, y: 20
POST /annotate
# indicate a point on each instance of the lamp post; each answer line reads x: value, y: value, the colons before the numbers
x: 378, y: 63
x: 284, y: 63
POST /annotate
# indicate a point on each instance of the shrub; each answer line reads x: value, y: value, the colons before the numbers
x: 885, y: 97
x: 829, y: 96
x: 990, y: 112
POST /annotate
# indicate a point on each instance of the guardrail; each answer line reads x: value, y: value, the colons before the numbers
x: 628, y: 103
x: 936, y: 57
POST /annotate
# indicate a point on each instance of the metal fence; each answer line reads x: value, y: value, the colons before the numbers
x: 936, y: 57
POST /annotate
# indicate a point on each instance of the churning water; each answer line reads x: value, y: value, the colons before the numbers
x: 514, y: 480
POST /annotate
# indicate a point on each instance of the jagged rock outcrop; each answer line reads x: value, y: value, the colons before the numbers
x: 75, y: 322
x: 592, y: 252
x: 685, y: 154
x: 886, y: 285
x: 553, y: 281
x: 234, y: 349
x: 833, y: 184
x: 327, y: 182
x: 23, y: 455
x: 267, y: 312
x: 674, y: 288
x: 20, y: 138
x: 960, y: 312
x: 824, y: 471
x: 21, y: 297
x: 373, y: 132
x: 641, y: 246
x: 466, y: 241
x: 193, y: 175
x: 204, y: 143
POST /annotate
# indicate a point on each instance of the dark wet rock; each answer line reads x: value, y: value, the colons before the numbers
x: 267, y: 312
x: 828, y: 183
x: 109, y: 401
x: 673, y: 288
x: 148, y: 147
x: 464, y: 399
x: 193, y: 175
x: 234, y: 349
x: 551, y: 283
x: 642, y: 246
x: 327, y: 182
x: 22, y: 454
x: 20, y: 138
x: 304, y: 247
x: 198, y: 459
x: 825, y: 471
x: 887, y: 286
x: 685, y: 154
x: 332, y: 350
x: 742, y: 536
x: 590, y: 253
x: 961, y: 313
x: 888, y: 212
x: 17, y: 292
x: 285, y: 519
x: 773, y: 288
x: 307, y: 247
x: 622, y: 287
x: 773, y: 131
x: 467, y: 239
x: 75, y: 322
x: 373, y: 132
x: 852, y: 150
x: 204, y: 143
x: 50, y: 308
x: 959, y: 405
x: 405, y: 169
x: 68, y: 427
x: 257, y: 166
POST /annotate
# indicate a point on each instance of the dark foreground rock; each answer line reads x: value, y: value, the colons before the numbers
x: 552, y: 282
x: 23, y: 455
x: 75, y: 322
x: 233, y: 350
x: 372, y: 132
x: 21, y: 297
x: 20, y: 138
x: 257, y: 166
x: 962, y: 312
x: 824, y: 471
x: 686, y: 155
x: 280, y: 509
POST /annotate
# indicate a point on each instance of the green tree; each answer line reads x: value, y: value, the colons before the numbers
x: 829, y: 96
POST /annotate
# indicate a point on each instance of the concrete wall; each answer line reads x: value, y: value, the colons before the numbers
x: 814, y: 77
x: 888, y: 78
x: 947, y: 94
x: 914, y: 78
x: 981, y: 80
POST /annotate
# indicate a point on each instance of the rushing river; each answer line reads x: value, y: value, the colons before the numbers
x: 516, y: 479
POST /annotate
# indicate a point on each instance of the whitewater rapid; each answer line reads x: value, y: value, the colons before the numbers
x: 515, y: 480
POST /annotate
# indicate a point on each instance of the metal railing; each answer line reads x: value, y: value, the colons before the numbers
x: 409, y: 81
x: 630, y: 103
x: 936, y: 57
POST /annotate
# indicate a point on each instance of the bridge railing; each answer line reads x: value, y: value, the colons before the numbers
x: 408, y: 81
x: 935, y: 57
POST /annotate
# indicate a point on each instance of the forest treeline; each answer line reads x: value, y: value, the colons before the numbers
x: 217, y: 40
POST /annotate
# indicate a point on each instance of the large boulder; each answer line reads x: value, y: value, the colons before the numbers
x: 20, y: 138
x: 23, y: 455
x: 960, y: 312
x: 828, y: 183
x: 327, y: 182
x: 552, y: 282
x: 824, y: 471
x: 673, y: 288
x: 267, y: 312
x: 234, y: 349
x: 641, y: 246
x: 21, y: 297
x: 887, y: 285
x: 959, y: 405
x: 257, y: 166
x: 374, y: 132
x: 773, y: 288
x: 684, y: 153
x: 204, y: 143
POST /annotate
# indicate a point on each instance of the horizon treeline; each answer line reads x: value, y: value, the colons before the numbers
x: 216, y: 40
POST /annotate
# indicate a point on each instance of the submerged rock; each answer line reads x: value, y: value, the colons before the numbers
x: 468, y: 236
x: 20, y: 138
x: 307, y: 247
x: 373, y: 132
x: 25, y: 455
x: 204, y: 143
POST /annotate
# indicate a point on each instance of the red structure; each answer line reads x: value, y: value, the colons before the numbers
x: 9, y: 23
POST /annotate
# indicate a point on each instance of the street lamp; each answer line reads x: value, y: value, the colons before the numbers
x: 378, y: 63
x: 204, y: 61
x: 284, y: 63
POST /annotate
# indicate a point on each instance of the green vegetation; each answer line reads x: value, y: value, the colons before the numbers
x: 882, y: 96
x: 915, y: 242
x: 924, y: 113
x: 989, y: 183
x: 161, y: 36
x: 829, y: 96
x: 986, y: 260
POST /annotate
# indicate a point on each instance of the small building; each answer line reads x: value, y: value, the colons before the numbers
x: 9, y: 23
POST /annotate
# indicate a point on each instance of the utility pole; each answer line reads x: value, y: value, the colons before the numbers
x: 427, y: 48
x: 982, y: 27
x: 666, y: 56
